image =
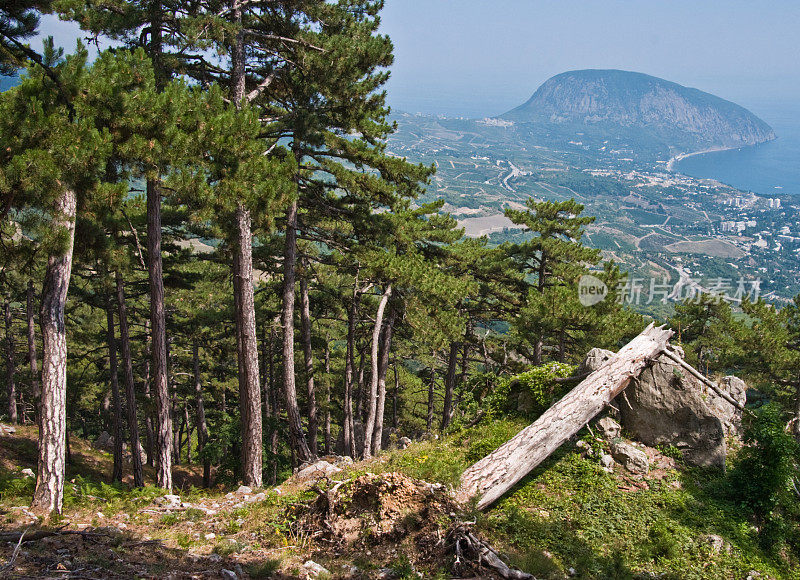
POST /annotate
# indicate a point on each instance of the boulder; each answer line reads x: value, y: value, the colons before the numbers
x: 607, y: 462
x: 316, y: 470
x: 7, y: 429
x: 593, y: 361
x: 667, y: 406
x: 104, y: 441
x: 730, y: 416
x: 28, y: 472
x: 244, y: 490
x: 608, y: 428
x: 314, y: 570
x: 632, y: 459
x: 403, y: 442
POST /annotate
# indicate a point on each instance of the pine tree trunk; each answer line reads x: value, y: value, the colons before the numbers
x: 116, y: 472
x: 383, y: 367
x: 130, y: 386
x: 395, y: 395
x: 449, y: 385
x: 274, y: 405
x: 49, y: 494
x: 163, y: 428
x: 496, y: 473
x: 188, y: 431
x: 296, y: 438
x: 177, y: 434
x: 32, y: 361
x: 305, y: 323
x: 249, y: 387
x: 328, y: 443
x: 200, y: 415
x: 431, y: 386
x: 349, y: 432
x: 11, y: 369
x: 372, y: 402
x: 361, y: 393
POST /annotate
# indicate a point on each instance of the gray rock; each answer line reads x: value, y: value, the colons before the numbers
x: 717, y: 543
x: 28, y: 472
x: 244, y: 490
x: 170, y: 501
x: 229, y: 574
x: 730, y: 416
x: 666, y: 406
x: 104, y: 441
x: 7, y: 429
x: 607, y: 462
x: 316, y: 470
x: 314, y: 570
x: 608, y: 428
x: 403, y: 442
x: 632, y: 459
x: 594, y: 360
x: 261, y: 496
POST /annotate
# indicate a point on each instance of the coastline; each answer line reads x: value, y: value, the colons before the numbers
x: 673, y: 160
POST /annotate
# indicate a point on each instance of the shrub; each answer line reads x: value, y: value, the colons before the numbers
x: 763, y: 478
x: 536, y: 389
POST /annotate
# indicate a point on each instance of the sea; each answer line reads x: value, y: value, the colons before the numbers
x: 771, y: 168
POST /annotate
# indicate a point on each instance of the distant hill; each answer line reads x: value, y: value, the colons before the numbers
x: 643, y: 106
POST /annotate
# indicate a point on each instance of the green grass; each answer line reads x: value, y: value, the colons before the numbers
x: 570, y: 513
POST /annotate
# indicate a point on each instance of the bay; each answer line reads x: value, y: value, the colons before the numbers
x: 771, y: 168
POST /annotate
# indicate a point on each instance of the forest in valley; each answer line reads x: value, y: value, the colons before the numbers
x: 208, y: 253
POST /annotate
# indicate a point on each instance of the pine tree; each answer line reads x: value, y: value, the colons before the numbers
x: 554, y: 258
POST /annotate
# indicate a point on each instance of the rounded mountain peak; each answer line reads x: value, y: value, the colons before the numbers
x: 637, y: 100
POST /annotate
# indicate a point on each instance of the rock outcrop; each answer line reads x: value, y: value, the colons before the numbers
x: 667, y: 406
x: 647, y: 106
x: 730, y: 416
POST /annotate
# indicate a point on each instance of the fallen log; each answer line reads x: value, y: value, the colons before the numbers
x: 495, y: 474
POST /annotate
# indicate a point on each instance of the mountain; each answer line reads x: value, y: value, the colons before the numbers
x: 642, y: 105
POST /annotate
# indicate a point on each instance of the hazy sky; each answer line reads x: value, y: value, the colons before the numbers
x: 483, y: 57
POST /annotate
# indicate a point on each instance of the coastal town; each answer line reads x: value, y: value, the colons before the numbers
x: 655, y: 222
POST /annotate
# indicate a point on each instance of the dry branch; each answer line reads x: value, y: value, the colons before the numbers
x: 495, y: 474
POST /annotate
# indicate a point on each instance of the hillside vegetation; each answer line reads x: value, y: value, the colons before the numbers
x: 570, y: 517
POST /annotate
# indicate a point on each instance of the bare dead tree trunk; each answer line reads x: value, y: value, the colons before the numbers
x: 249, y: 388
x: 372, y: 403
x: 296, y: 438
x: 32, y: 361
x: 130, y: 386
x: 449, y: 385
x: 163, y: 435
x: 116, y: 472
x: 200, y: 415
x: 383, y: 366
x: 496, y: 473
x: 328, y: 446
x: 308, y: 355
x: 11, y: 369
x: 49, y: 494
